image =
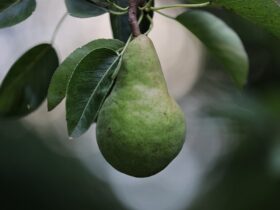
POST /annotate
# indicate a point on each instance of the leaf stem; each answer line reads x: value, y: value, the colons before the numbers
x: 117, y: 13
x: 57, y: 27
x: 147, y: 5
x: 125, y: 47
x: 121, y: 57
x: 118, y: 7
x: 151, y: 24
x: 130, y: 37
x: 178, y: 6
x: 165, y: 15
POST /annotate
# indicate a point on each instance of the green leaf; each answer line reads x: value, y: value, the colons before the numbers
x: 62, y: 76
x: 220, y: 40
x: 13, y: 12
x: 26, y: 84
x: 266, y: 13
x: 101, y: 3
x: 83, y: 8
x: 120, y: 25
x: 88, y: 88
x: 6, y: 3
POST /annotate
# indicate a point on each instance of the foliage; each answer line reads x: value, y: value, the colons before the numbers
x: 32, y: 174
x: 223, y: 42
x: 15, y: 11
x: 88, y: 74
x: 25, y: 86
x: 265, y: 13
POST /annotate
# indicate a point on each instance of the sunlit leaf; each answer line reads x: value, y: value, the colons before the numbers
x: 265, y: 13
x: 62, y: 76
x: 88, y: 89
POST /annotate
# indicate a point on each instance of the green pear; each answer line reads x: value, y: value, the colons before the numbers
x: 140, y: 128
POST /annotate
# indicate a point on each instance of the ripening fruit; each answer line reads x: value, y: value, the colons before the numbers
x: 140, y: 128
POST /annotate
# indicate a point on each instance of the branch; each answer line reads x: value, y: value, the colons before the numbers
x: 132, y: 16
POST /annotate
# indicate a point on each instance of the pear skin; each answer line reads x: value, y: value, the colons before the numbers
x: 140, y: 128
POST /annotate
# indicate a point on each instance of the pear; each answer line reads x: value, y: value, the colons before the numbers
x: 140, y: 128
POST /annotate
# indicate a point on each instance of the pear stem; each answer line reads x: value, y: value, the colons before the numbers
x: 132, y: 16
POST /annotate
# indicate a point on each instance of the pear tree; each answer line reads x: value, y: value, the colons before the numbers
x: 118, y: 83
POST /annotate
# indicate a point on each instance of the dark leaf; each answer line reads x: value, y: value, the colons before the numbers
x: 13, y: 12
x: 101, y: 3
x: 88, y: 88
x: 26, y: 84
x: 62, y: 76
x: 220, y: 40
x: 84, y: 8
x: 6, y: 3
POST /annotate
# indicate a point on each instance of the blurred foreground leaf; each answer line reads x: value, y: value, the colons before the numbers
x: 36, y: 176
x: 247, y: 174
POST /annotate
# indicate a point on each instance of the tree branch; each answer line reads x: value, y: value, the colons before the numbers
x: 132, y: 16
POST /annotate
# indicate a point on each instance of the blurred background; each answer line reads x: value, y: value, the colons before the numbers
x: 231, y: 158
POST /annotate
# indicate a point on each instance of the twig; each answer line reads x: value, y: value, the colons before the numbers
x: 132, y: 17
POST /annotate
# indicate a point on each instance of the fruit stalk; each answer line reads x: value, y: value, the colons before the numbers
x: 132, y: 17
